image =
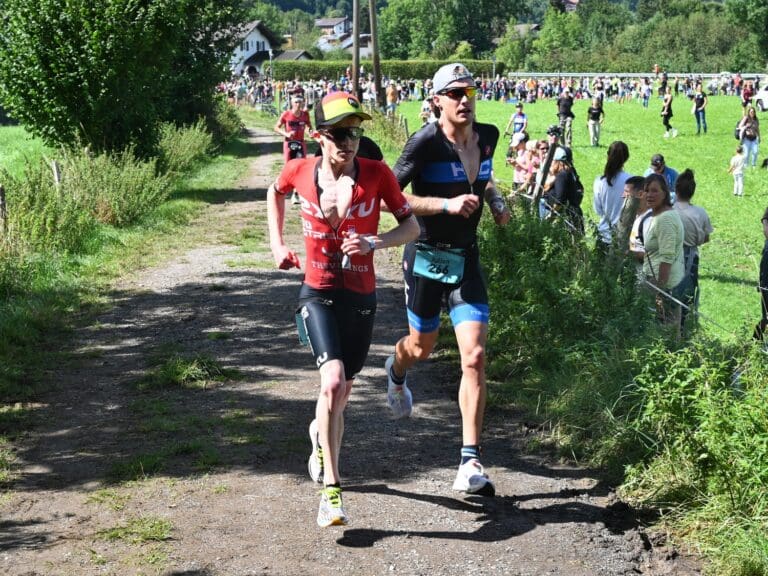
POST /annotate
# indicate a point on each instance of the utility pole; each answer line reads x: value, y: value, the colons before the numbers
x: 355, y: 47
x: 376, y: 61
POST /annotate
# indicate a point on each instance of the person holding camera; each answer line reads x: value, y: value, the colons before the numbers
x: 562, y: 192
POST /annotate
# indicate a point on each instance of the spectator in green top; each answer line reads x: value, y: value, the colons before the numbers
x: 664, y: 265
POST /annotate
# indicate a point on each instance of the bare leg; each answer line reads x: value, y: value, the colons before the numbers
x: 412, y: 348
x: 471, y: 337
x: 334, y: 394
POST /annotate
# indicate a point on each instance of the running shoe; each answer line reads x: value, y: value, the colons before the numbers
x: 315, y: 464
x: 295, y: 199
x: 472, y: 479
x: 399, y: 398
x: 331, y: 511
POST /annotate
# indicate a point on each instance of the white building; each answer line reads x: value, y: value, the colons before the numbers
x: 252, y: 55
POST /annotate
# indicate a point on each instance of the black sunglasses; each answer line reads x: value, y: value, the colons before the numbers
x: 338, y: 134
x: 459, y: 93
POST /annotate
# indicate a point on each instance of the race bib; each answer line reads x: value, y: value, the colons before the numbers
x: 445, y: 265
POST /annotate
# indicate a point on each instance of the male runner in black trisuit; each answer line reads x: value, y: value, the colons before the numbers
x: 449, y: 166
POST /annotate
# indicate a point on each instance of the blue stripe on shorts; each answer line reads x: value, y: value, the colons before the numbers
x: 469, y: 313
x: 424, y: 325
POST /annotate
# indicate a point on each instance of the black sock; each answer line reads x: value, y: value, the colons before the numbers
x: 397, y: 380
x: 470, y: 452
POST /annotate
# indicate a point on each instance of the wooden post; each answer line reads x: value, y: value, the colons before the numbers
x: 3, y: 213
x: 56, y: 172
x: 355, y: 47
x: 376, y: 61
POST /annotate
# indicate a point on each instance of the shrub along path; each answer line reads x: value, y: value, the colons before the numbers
x: 129, y: 472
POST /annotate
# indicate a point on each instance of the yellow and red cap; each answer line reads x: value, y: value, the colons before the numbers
x: 336, y: 106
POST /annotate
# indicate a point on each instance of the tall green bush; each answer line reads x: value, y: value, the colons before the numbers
x: 107, y: 72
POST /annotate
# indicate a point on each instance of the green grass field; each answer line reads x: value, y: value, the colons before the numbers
x: 729, y: 263
x: 17, y: 145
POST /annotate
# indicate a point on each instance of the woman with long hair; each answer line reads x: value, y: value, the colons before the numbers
x: 608, y: 190
x: 749, y: 130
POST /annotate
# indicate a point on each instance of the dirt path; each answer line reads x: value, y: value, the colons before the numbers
x: 223, y: 488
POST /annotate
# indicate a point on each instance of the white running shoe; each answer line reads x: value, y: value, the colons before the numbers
x: 315, y: 464
x: 472, y: 479
x: 666, y: 134
x: 674, y: 132
x: 399, y: 398
x: 331, y: 511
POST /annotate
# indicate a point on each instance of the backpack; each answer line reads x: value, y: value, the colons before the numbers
x: 578, y: 188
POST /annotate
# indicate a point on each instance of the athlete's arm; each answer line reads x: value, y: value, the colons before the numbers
x: 463, y: 205
x: 278, y: 129
x: 285, y: 258
x: 496, y: 203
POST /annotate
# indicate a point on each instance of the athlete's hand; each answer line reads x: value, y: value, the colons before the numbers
x: 355, y: 243
x: 502, y: 218
x: 463, y: 205
x: 285, y: 258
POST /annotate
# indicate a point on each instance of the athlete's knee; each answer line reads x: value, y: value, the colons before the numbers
x: 418, y: 349
x: 333, y: 386
x: 473, y: 359
x: 335, y: 391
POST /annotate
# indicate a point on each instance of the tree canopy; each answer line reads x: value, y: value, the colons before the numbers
x: 107, y: 72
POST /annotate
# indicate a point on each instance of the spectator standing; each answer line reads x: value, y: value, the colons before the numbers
x: 663, y: 265
x: 697, y: 229
x: 608, y: 191
x: 747, y: 93
x: 518, y: 121
x: 632, y: 205
x: 595, y: 117
x: 565, y: 114
x: 659, y: 166
x: 700, y: 102
x: 391, y: 97
x: 763, y: 283
x: 666, y: 114
x: 516, y: 157
x: 749, y: 128
x: 645, y: 91
x: 561, y: 194
x: 736, y: 168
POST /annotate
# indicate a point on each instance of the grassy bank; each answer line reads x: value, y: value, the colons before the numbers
x: 728, y: 271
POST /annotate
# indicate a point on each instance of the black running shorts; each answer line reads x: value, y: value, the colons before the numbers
x: 339, y: 324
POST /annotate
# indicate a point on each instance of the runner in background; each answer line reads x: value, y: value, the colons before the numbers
x: 291, y: 126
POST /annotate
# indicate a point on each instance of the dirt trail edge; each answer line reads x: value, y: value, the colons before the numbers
x: 223, y: 487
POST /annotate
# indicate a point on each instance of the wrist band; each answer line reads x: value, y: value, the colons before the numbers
x: 445, y: 206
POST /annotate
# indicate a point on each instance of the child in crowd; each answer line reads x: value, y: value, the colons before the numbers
x: 736, y: 168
